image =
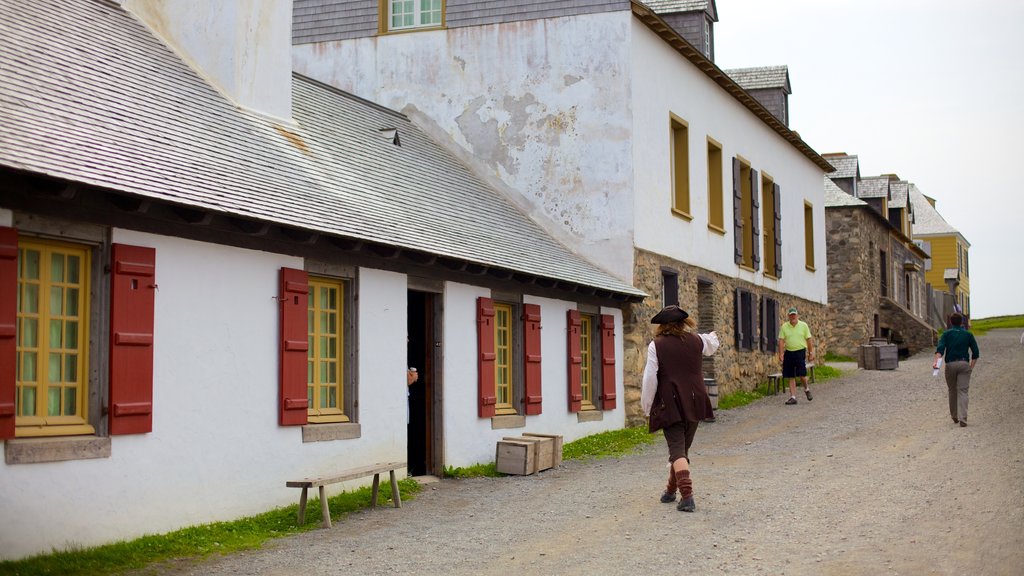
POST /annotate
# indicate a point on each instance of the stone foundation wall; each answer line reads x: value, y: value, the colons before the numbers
x: 732, y: 369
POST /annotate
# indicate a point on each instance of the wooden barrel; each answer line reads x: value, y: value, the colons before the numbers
x: 712, y: 387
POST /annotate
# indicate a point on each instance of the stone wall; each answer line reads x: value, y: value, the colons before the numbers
x: 732, y: 369
x: 855, y: 235
x: 853, y: 239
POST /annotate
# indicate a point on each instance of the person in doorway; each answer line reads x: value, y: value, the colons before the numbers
x: 673, y: 394
x: 961, y: 353
x: 796, y: 347
x: 411, y: 376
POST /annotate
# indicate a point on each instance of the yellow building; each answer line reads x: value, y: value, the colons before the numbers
x: 949, y: 267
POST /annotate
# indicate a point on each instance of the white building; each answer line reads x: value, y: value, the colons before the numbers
x: 214, y: 274
x: 609, y: 123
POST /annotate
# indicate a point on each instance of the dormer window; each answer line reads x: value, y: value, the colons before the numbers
x: 412, y: 14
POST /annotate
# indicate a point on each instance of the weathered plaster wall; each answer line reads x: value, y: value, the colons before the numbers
x: 541, y: 108
x: 243, y: 47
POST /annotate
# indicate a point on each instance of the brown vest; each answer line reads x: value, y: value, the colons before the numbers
x: 681, y: 393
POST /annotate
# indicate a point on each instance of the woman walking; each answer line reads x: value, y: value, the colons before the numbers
x: 961, y: 351
x: 673, y: 394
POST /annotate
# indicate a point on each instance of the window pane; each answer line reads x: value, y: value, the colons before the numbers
x: 69, y: 401
x: 29, y: 332
x: 73, y: 266
x: 53, y: 401
x: 56, y: 300
x: 333, y: 395
x: 71, y: 368
x: 71, y: 335
x: 55, y: 334
x: 28, y: 401
x: 30, y: 265
x: 53, y: 370
x: 28, y: 367
x: 56, y: 267
x: 72, y: 302
x: 30, y: 301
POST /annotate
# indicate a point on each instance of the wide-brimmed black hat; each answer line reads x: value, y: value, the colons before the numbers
x: 670, y: 314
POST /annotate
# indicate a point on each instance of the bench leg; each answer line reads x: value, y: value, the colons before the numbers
x: 394, y: 491
x: 325, y: 510
x: 302, y: 507
x: 376, y: 488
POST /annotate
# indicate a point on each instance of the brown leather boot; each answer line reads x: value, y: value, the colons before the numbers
x: 670, y: 489
x: 686, y: 503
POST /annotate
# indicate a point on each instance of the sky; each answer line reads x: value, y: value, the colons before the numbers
x: 930, y: 90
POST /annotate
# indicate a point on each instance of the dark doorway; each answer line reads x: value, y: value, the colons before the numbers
x: 421, y: 431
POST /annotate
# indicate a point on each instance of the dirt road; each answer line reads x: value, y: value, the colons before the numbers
x: 872, y: 477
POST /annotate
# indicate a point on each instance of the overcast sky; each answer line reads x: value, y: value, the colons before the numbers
x: 931, y: 90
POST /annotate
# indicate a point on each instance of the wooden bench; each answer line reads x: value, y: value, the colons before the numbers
x: 776, y: 382
x: 376, y: 470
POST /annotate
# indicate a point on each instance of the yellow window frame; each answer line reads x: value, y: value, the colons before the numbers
x: 716, y: 206
x: 768, y: 226
x: 503, y: 360
x: 52, y: 339
x: 387, y: 22
x: 587, y: 366
x: 325, y: 367
x: 809, y: 235
x: 680, y: 147
x: 747, y: 214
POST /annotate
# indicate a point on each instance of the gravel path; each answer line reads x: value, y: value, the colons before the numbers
x: 872, y: 477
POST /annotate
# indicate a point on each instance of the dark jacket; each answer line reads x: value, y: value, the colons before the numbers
x: 681, y: 393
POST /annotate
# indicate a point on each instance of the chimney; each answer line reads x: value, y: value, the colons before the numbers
x: 243, y: 47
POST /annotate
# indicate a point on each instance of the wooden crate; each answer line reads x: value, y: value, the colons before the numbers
x: 556, y: 446
x: 544, y: 453
x: 513, y: 457
x: 869, y: 354
x: 888, y: 357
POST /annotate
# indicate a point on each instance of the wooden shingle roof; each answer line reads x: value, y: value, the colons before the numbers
x: 88, y: 94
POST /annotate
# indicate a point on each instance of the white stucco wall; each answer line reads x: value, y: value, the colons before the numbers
x: 540, y: 108
x: 470, y: 439
x: 242, y: 46
x: 216, y: 451
x: 665, y: 83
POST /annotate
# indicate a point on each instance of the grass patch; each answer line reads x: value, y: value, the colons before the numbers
x: 830, y: 357
x: 197, y: 542
x: 822, y: 373
x: 489, y: 470
x: 610, y: 443
x: 983, y: 325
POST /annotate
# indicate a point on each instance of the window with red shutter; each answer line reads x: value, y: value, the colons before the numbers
x: 8, y: 317
x: 532, y: 358
x: 575, y: 361
x: 132, y: 299
x: 486, y: 398
x: 294, y: 348
x: 608, y: 394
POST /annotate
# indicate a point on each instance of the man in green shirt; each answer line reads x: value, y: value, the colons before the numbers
x: 961, y: 352
x: 796, y: 347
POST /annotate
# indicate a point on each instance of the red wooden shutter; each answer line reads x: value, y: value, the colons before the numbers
x: 575, y: 362
x: 608, y: 362
x: 755, y: 220
x: 531, y: 329
x: 8, y: 319
x: 132, y: 299
x: 293, y: 405
x: 486, y: 398
x: 737, y: 212
x: 778, y: 232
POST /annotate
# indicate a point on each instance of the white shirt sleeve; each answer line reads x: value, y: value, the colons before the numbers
x: 711, y: 343
x: 650, y: 381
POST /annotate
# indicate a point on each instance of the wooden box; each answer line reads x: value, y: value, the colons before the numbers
x: 888, y: 357
x: 516, y: 457
x: 543, y: 447
x: 556, y: 446
x: 869, y: 354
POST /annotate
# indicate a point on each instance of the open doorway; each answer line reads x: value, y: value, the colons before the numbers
x: 424, y: 394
